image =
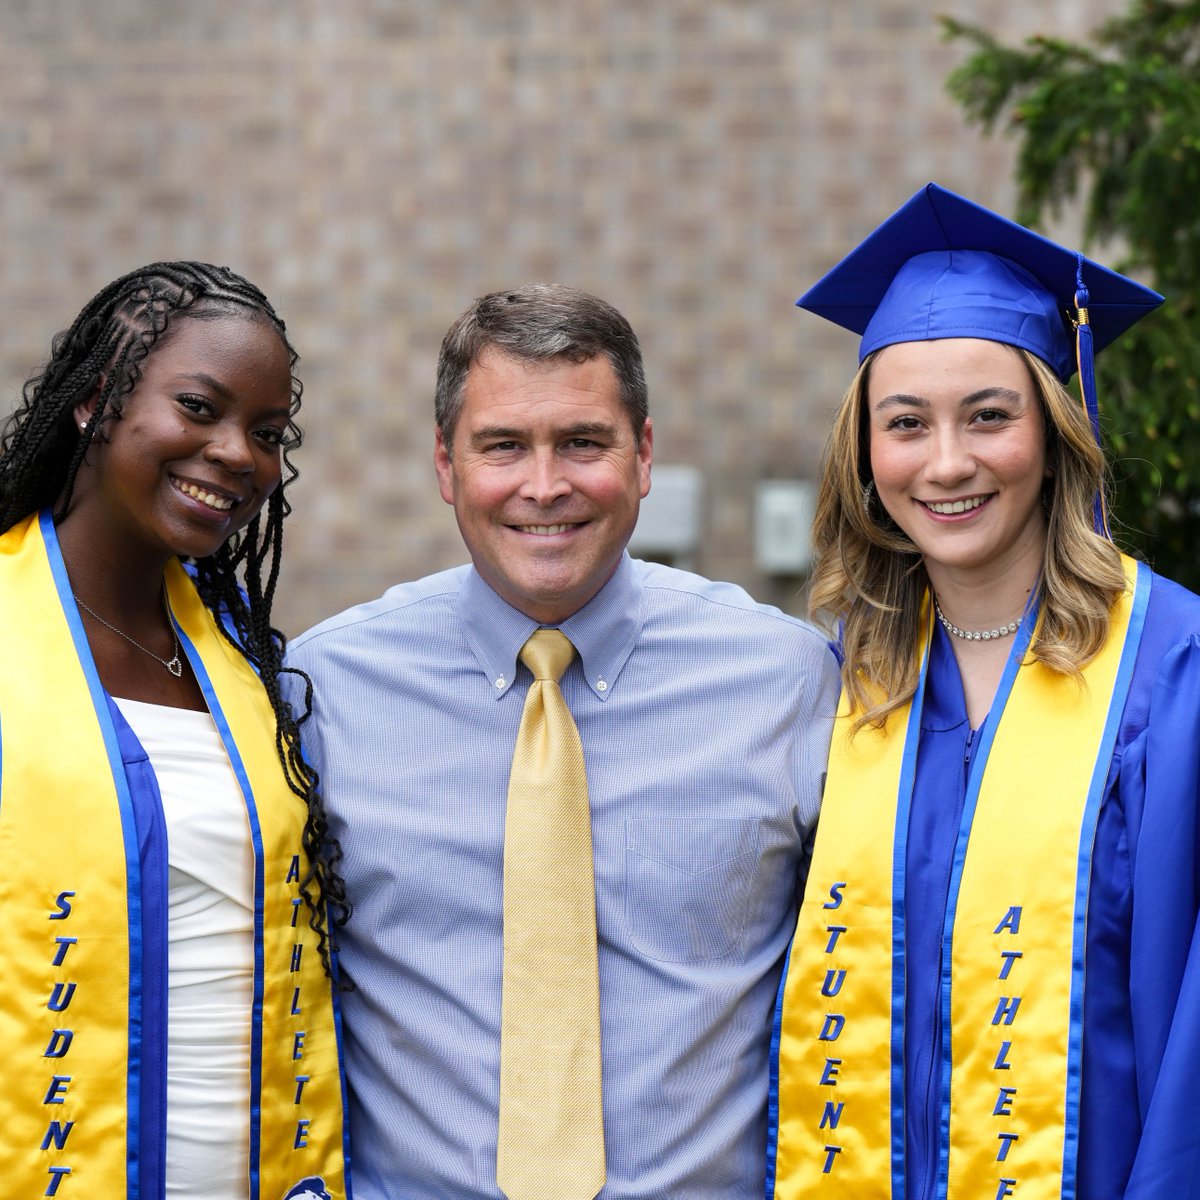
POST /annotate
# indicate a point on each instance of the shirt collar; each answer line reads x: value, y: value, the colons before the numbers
x: 604, y: 631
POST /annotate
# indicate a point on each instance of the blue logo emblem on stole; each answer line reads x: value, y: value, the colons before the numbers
x: 310, y: 1188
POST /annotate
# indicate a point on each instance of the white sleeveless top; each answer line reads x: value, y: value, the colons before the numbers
x: 210, y: 955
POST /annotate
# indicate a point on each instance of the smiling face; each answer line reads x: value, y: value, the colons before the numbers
x: 958, y: 454
x: 545, y: 475
x: 197, y: 448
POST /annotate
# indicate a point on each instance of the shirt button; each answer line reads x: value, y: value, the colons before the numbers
x: 601, y: 686
x: 500, y: 682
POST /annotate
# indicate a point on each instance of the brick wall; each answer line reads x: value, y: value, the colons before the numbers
x: 373, y: 165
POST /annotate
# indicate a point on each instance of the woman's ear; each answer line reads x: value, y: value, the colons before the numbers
x: 85, y: 409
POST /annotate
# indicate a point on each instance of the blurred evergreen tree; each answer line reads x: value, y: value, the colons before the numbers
x: 1116, y: 125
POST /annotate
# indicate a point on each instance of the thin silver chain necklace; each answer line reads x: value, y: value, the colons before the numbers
x: 173, y: 664
x: 968, y: 635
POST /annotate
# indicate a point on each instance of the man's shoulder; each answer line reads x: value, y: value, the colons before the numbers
x: 726, y: 605
x: 407, y: 608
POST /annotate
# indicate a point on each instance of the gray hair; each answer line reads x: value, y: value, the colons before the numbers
x: 538, y: 323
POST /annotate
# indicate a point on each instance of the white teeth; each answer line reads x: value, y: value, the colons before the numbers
x: 543, y: 530
x: 220, y: 503
x: 955, y: 506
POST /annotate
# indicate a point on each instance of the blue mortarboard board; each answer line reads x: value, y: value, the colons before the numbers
x: 944, y: 267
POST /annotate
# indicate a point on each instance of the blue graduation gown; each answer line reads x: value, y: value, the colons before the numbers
x: 1140, y: 1108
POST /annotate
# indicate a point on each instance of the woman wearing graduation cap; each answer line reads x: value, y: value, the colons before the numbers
x: 994, y: 988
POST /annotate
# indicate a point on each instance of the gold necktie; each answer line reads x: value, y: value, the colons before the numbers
x: 551, y: 1137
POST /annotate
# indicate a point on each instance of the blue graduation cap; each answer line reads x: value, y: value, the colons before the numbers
x: 944, y: 267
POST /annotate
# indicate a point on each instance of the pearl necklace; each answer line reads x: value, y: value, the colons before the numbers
x: 982, y: 635
x: 173, y: 664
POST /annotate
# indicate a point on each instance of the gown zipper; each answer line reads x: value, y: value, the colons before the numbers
x: 929, y: 1152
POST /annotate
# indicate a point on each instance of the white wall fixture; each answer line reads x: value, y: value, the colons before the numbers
x: 783, y: 515
x: 668, y: 525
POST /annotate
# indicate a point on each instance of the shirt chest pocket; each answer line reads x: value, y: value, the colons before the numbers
x: 687, y: 882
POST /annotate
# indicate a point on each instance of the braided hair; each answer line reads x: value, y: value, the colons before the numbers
x: 42, y: 448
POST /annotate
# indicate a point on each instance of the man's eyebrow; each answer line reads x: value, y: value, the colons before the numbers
x: 589, y: 427
x: 489, y: 433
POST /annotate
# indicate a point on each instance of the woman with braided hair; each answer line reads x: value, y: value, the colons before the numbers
x: 168, y: 1017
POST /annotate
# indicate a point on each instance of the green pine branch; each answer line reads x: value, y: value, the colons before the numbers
x: 1113, y: 124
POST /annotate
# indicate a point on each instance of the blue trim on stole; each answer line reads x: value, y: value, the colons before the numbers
x: 904, y: 794
x: 335, y: 975
x: 129, y: 829
x: 256, y: 1027
x: 773, y: 1079
x: 1087, y: 837
x: 153, y: 848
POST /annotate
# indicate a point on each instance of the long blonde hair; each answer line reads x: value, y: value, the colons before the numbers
x: 870, y: 578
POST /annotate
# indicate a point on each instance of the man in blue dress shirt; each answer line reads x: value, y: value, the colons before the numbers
x: 705, y: 721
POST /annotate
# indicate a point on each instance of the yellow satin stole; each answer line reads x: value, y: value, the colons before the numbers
x: 1015, y: 927
x: 71, y: 1011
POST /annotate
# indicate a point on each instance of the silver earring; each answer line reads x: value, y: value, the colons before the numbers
x: 82, y: 424
x: 868, y: 494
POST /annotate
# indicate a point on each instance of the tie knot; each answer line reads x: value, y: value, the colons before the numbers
x: 547, y: 654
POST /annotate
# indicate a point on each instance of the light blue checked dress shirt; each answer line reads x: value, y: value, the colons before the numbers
x: 705, y: 720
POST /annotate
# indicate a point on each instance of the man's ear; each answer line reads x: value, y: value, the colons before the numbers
x: 645, y: 456
x: 443, y: 464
